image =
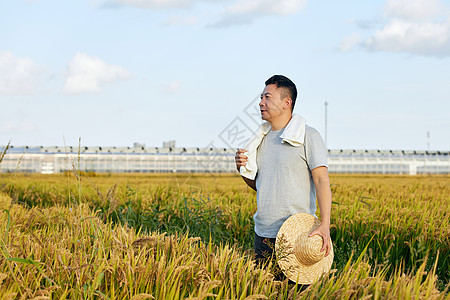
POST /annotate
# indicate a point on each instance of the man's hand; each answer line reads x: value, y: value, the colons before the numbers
x: 324, y: 231
x: 240, y: 158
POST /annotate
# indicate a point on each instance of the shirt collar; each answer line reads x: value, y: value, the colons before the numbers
x: 293, y: 133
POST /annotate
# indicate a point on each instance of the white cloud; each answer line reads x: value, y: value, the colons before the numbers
x: 18, y: 75
x: 426, y: 38
x: 86, y: 74
x: 349, y: 42
x: 412, y: 9
x: 364, y: 24
x: 245, y: 11
x: 17, y: 127
x: 411, y: 26
x: 155, y: 4
x: 150, y: 4
x: 236, y: 12
x: 270, y: 7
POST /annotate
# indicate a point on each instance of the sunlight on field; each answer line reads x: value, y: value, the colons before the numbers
x: 172, y: 236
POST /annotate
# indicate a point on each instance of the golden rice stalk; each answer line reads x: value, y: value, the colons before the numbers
x: 2, y: 277
x: 194, y: 239
x: 2, y: 154
x: 151, y: 240
x: 5, y: 200
x: 9, y: 296
x: 257, y: 296
x: 142, y: 296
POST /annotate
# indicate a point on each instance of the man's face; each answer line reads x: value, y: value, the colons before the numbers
x: 271, y: 104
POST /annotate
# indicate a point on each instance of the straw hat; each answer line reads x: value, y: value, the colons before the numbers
x: 298, y: 255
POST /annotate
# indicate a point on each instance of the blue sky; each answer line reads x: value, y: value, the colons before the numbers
x: 117, y: 72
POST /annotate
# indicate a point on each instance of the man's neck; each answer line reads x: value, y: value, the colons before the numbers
x: 280, y: 122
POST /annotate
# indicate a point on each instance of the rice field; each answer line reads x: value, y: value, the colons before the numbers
x: 177, y: 236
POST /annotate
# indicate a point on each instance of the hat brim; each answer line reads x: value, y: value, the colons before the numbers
x: 295, y: 270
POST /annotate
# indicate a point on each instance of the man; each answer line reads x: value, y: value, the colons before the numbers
x: 285, y: 162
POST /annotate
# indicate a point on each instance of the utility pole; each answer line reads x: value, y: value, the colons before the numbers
x: 326, y: 125
x: 428, y: 140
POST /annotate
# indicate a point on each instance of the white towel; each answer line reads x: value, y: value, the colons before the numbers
x: 294, y: 134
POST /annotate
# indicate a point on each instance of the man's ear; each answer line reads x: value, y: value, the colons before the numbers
x: 287, y: 103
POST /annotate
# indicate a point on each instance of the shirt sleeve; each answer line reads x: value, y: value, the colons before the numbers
x: 315, y: 150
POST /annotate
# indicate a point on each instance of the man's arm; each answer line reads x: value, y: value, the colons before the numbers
x: 241, y: 160
x: 323, y: 192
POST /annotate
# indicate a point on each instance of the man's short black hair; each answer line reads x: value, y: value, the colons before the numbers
x: 288, y: 87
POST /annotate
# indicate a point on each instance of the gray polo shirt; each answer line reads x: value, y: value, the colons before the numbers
x: 284, y: 183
